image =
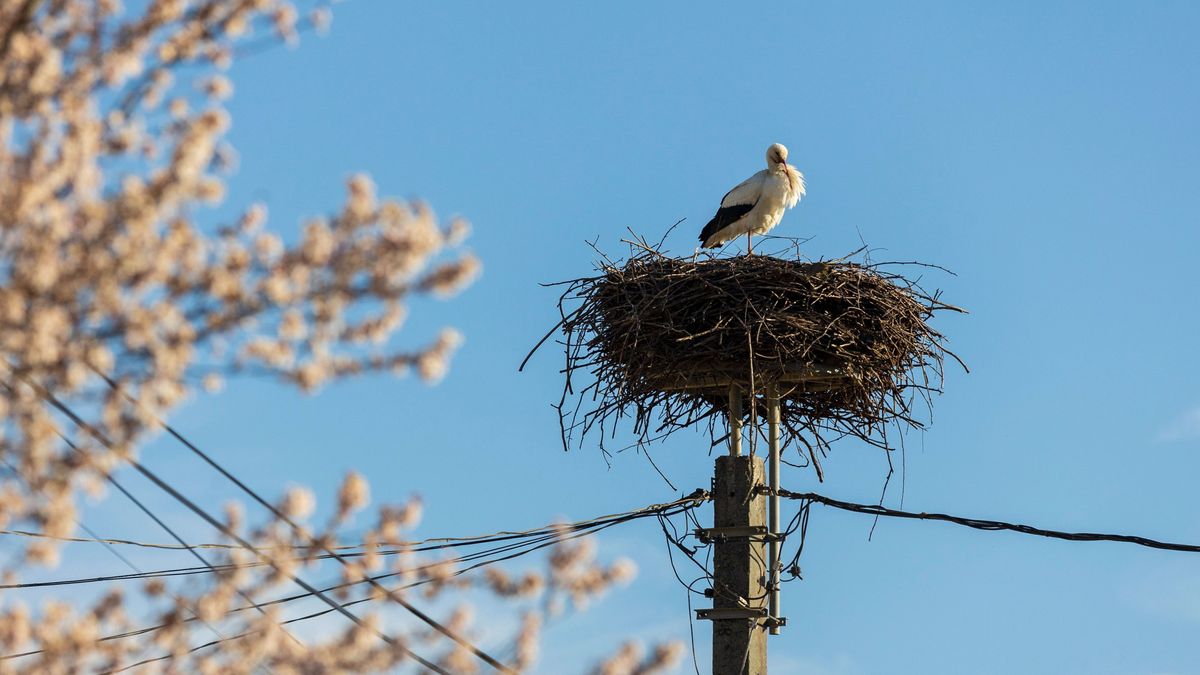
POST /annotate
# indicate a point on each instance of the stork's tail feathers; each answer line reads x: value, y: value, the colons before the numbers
x: 711, y: 235
x: 707, y: 233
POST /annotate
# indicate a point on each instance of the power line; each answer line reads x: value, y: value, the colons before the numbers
x: 220, y: 636
x: 127, y: 561
x: 159, y: 521
x: 194, y: 508
x: 367, y: 598
x: 391, y: 595
x: 400, y: 546
x: 541, y: 536
x: 537, y: 538
x: 162, y: 524
x: 107, y: 541
x: 479, y: 653
x: 991, y: 525
x: 311, y: 591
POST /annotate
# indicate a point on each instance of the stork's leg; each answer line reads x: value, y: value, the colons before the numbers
x: 749, y: 243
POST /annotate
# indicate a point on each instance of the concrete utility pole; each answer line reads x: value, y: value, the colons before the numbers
x: 745, y: 588
x: 739, y: 590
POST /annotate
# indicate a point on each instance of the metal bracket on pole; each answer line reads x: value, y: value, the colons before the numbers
x: 741, y: 614
x: 708, y: 535
x: 731, y: 613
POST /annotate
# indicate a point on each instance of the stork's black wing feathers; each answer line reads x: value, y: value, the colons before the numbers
x: 726, y: 216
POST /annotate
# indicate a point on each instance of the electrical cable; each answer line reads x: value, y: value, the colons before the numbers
x: 991, y: 525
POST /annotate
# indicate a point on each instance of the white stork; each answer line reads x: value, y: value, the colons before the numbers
x: 757, y: 203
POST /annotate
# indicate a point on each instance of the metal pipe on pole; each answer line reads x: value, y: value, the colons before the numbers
x: 773, y: 521
x: 735, y: 420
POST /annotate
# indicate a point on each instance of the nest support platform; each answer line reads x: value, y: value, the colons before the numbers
x: 789, y: 378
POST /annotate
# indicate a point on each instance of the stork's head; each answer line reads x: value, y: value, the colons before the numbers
x: 776, y: 155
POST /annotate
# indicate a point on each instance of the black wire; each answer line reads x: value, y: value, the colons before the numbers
x: 194, y: 508
x: 536, y: 539
x: 991, y: 525
x: 113, y: 550
x: 367, y: 598
x: 64, y: 409
x: 191, y: 549
x: 549, y: 533
x: 688, y: 587
x: 174, y: 535
x: 674, y: 540
x: 220, y: 636
x: 799, y: 521
x: 692, y: 622
x: 433, y: 623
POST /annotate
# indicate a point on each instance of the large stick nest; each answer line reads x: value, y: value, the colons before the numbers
x: 659, y: 340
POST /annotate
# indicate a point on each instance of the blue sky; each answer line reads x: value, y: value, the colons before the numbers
x: 1045, y: 152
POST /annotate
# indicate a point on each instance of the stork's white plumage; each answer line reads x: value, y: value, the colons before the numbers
x: 757, y: 204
